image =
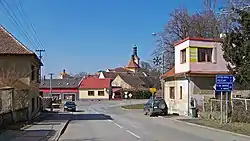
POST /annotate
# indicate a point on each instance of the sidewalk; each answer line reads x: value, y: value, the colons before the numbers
x: 46, y: 129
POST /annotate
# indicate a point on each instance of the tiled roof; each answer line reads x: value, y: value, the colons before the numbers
x: 132, y: 64
x: 132, y: 80
x: 61, y: 83
x: 171, y: 72
x: 95, y: 83
x: 111, y: 75
x: 10, y: 45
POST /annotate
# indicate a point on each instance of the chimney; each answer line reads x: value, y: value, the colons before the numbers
x: 44, y: 77
x: 64, y: 71
x: 135, y: 50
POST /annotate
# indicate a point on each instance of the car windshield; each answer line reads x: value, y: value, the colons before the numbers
x: 70, y: 103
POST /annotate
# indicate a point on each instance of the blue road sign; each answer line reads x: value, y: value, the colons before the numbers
x: 224, y: 87
x: 224, y: 82
x: 224, y: 79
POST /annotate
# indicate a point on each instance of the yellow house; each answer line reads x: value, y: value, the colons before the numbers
x: 19, y: 65
x: 95, y: 89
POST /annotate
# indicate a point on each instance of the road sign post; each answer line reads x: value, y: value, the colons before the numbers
x: 224, y: 83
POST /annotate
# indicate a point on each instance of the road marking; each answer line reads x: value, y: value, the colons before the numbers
x: 133, y: 134
x: 118, y: 125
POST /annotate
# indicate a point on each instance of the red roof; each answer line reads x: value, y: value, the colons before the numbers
x: 132, y: 64
x: 197, y: 39
x: 95, y: 83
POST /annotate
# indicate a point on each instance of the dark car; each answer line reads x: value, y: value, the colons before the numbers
x: 69, y: 106
x: 155, y: 106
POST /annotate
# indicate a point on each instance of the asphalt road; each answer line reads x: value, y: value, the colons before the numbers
x: 105, y: 121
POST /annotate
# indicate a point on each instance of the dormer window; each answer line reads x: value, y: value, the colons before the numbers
x: 183, y: 56
x: 67, y: 84
x: 59, y: 83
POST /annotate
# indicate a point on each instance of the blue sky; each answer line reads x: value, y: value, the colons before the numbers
x: 92, y: 35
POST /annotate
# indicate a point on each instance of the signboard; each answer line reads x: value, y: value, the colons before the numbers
x: 130, y: 95
x: 224, y: 83
x: 126, y: 96
x: 152, y: 90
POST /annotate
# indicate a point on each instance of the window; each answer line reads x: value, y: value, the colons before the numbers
x: 91, y: 93
x: 100, y: 93
x: 183, y: 56
x: 32, y: 72
x: 180, y: 92
x: 171, y: 93
x: 205, y: 54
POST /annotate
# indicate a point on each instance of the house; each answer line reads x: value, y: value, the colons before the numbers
x: 64, y: 89
x: 197, y: 61
x: 20, y: 66
x: 132, y: 82
x: 95, y: 89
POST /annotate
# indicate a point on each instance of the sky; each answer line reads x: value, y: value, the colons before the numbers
x: 93, y: 35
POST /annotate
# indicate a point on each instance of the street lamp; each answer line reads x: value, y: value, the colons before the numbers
x: 159, y: 61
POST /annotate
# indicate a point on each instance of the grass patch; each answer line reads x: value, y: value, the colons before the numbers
x: 134, y: 106
x: 241, y: 128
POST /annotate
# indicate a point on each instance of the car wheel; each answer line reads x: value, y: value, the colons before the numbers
x: 150, y: 113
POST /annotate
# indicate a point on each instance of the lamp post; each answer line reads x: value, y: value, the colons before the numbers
x: 50, y: 87
x: 159, y: 61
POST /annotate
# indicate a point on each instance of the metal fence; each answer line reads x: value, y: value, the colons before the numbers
x: 237, y: 110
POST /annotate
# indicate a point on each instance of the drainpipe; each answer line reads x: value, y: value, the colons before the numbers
x: 188, y: 78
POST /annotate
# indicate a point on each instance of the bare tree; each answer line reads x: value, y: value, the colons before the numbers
x: 182, y: 25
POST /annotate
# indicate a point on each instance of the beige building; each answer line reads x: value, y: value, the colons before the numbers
x: 95, y: 89
x: 197, y: 62
x: 19, y: 65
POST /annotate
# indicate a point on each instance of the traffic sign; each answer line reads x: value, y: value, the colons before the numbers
x: 224, y: 87
x: 126, y: 96
x: 152, y: 90
x: 224, y: 83
x: 130, y: 95
x: 224, y: 79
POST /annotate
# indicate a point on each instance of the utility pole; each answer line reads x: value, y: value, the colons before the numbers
x: 40, y: 51
x: 50, y: 86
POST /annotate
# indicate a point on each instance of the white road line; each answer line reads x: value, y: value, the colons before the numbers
x: 133, y: 134
x: 118, y: 125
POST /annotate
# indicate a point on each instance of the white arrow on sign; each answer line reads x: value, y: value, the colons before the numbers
x: 234, y: 79
x: 214, y: 86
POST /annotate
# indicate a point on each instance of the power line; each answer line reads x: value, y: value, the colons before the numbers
x: 26, y: 19
x: 15, y: 21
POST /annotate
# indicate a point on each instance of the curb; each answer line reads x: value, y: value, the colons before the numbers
x: 124, y: 109
x: 61, y: 131
x: 210, y: 128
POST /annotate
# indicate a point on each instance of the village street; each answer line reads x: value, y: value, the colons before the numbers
x: 106, y: 121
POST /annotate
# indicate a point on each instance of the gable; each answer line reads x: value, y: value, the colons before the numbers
x: 118, y: 81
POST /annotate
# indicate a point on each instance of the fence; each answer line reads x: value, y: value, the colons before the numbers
x: 238, y: 109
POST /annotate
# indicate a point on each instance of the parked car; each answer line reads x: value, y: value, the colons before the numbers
x: 155, y: 106
x: 69, y: 106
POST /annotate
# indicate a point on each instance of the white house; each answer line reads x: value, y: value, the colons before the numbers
x: 197, y: 61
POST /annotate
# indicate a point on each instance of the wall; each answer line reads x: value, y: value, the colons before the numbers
x: 20, y: 65
x: 218, y: 63
x: 177, y: 105
x: 83, y: 94
x: 185, y: 66
x: 118, y: 81
x: 101, y: 75
x: 13, y: 106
